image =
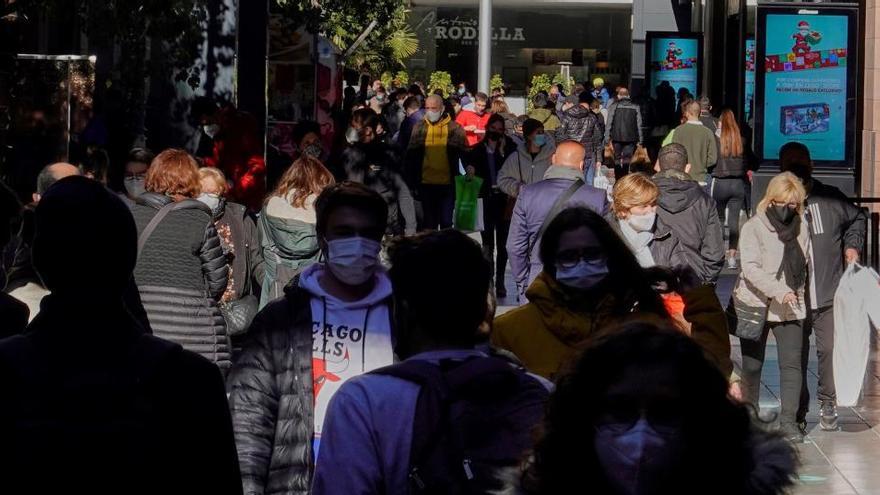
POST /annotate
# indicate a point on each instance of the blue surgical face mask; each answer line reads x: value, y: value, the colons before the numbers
x: 635, y: 457
x: 584, y: 275
x: 540, y: 139
x: 353, y: 260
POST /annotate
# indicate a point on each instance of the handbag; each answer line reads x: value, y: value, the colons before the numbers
x: 239, y: 314
x: 746, y: 322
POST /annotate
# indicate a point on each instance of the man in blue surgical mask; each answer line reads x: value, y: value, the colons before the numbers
x: 333, y: 324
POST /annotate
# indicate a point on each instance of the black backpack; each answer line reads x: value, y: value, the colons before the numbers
x: 473, y: 419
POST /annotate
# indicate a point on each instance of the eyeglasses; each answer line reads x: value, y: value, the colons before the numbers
x: 570, y: 258
x: 791, y: 205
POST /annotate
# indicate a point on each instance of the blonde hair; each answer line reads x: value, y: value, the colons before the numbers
x: 784, y: 188
x: 215, y: 175
x: 632, y: 191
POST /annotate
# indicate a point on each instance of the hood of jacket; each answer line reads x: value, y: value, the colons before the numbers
x: 309, y: 280
x: 292, y: 238
x: 557, y: 309
x: 678, y: 191
x: 774, y: 466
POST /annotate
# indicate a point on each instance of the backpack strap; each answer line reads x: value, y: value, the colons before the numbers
x: 556, y: 209
x: 151, y: 227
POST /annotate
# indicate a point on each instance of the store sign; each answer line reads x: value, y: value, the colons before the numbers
x: 466, y: 29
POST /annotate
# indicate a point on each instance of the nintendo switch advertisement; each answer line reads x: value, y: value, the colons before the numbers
x: 805, y: 84
x: 674, y: 62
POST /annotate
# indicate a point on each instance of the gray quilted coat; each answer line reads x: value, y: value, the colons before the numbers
x: 180, y: 274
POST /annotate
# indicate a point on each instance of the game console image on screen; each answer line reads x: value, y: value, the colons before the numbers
x: 804, y: 119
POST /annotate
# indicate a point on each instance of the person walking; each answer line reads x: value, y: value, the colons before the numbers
x: 240, y: 242
x: 581, y: 125
x: 435, y: 149
x: 600, y: 92
x: 87, y: 390
x: 638, y: 413
x: 530, y: 161
x: 624, y: 130
x: 333, y: 324
x: 689, y: 213
x: 288, y: 241
x: 729, y: 181
x: 542, y: 114
x: 538, y: 203
x: 485, y: 161
x: 588, y: 279
x: 775, y: 252
x: 181, y: 271
x: 378, y: 425
x: 474, y: 121
x: 698, y: 141
x: 837, y: 235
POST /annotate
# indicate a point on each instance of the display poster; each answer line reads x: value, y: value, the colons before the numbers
x: 805, y: 85
x: 749, y: 99
x: 674, y: 62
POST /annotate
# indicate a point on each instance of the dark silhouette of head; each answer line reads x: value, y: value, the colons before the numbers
x: 85, y: 244
x: 608, y: 385
x: 795, y: 157
x: 673, y: 156
x: 441, y: 281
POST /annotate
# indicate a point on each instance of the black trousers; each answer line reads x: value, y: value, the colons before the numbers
x: 730, y: 196
x: 623, y: 153
x: 494, y: 234
x: 821, y: 323
x: 437, y: 201
x: 789, y: 344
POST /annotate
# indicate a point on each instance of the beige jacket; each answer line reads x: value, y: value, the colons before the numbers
x: 761, y: 254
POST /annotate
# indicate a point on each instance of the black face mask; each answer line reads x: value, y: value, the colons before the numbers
x: 782, y: 214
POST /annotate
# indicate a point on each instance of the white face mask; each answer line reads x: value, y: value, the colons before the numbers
x: 211, y: 130
x: 585, y: 275
x: 134, y: 186
x: 433, y: 116
x: 353, y: 260
x: 635, y: 457
x: 642, y: 223
x: 352, y: 135
x: 211, y: 200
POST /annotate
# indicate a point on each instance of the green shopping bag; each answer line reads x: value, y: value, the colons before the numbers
x: 467, y: 192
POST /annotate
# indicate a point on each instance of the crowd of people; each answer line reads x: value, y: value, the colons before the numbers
x: 215, y: 324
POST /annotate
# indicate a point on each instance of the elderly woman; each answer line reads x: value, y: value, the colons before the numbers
x: 775, y: 249
x: 634, y: 216
x: 241, y: 245
x: 181, y: 271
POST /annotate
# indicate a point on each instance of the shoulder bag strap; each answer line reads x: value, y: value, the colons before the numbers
x: 556, y: 209
x: 148, y: 231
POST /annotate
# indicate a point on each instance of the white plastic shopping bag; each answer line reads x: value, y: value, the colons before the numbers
x: 856, y: 306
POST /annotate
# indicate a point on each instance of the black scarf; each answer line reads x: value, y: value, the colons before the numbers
x: 794, y: 263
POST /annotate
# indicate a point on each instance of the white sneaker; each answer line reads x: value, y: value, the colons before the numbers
x: 731, y: 263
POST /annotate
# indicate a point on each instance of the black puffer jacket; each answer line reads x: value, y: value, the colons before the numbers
x: 692, y: 216
x: 248, y: 267
x: 180, y: 274
x: 272, y: 398
x: 582, y: 125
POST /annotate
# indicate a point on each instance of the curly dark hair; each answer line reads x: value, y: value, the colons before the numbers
x: 716, y: 431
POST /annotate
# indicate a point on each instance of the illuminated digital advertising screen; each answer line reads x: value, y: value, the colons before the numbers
x: 674, y: 62
x: 807, y: 83
x: 749, y: 101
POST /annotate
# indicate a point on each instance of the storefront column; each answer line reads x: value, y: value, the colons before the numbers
x: 871, y: 120
x: 485, y: 51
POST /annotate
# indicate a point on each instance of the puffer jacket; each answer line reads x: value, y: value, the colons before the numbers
x: 288, y: 245
x: 247, y: 264
x: 582, y: 125
x: 548, y: 332
x: 761, y: 279
x: 692, y: 216
x: 376, y: 166
x: 181, y: 274
x: 272, y: 398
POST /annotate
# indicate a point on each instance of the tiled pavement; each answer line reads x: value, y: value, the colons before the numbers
x: 833, y: 463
